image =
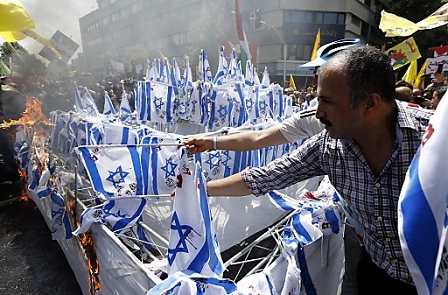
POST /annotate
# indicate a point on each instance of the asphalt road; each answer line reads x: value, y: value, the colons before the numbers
x: 31, y: 263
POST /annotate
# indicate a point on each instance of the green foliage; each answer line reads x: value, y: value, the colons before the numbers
x: 25, y: 64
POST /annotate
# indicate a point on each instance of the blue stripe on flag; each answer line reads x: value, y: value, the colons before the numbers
x: 420, y: 229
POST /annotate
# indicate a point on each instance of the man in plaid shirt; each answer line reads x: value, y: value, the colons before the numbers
x: 367, y: 145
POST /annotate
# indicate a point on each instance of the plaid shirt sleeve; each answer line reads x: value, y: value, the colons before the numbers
x: 301, y: 164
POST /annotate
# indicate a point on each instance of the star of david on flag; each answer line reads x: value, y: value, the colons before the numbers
x: 113, y: 171
x: 60, y: 223
x: 192, y: 244
x: 118, y: 214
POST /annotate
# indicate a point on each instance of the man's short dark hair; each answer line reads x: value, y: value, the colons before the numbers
x: 402, y: 83
x: 368, y: 70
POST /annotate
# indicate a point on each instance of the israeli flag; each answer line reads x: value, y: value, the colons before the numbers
x: 118, y: 214
x: 282, y: 276
x: 265, y: 81
x: 223, y: 68
x: 125, y: 107
x: 60, y: 224
x: 108, y: 105
x: 205, y: 74
x: 193, y: 245
x: 113, y: 171
x: 422, y: 218
x: 160, y: 165
x: 89, y: 103
x: 44, y: 188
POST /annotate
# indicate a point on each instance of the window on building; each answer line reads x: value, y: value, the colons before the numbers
x: 356, y: 20
x: 299, y: 51
x: 341, y: 18
x: 365, y: 29
x: 330, y: 18
x: 125, y: 12
x: 136, y: 7
x: 106, y: 21
x: 115, y: 16
x: 310, y: 17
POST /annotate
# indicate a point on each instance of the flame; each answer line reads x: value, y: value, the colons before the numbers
x: 32, y: 115
x: 89, y: 251
x: 23, y: 197
x: 92, y: 262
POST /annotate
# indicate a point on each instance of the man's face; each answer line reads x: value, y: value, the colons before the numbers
x: 334, y: 111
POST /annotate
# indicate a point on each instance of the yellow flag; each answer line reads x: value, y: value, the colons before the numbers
x: 395, y: 26
x: 292, y: 84
x: 43, y: 41
x: 14, y: 17
x: 418, y: 79
x: 403, y: 53
x: 316, y: 45
x: 12, y: 36
x: 411, y: 72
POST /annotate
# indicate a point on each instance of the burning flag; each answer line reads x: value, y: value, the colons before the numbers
x: 118, y: 214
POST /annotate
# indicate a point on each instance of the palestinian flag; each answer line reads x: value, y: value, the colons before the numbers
x: 244, y: 44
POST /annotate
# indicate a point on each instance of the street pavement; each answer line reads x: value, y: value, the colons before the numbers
x: 31, y: 263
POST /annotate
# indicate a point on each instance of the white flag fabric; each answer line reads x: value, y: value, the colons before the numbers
x: 118, y: 215
x: 282, y: 277
x: 113, y: 171
x: 193, y: 245
x: 205, y: 74
x: 265, y: 81
x: 108, y: 105
x: 125, y: 107
x: 160, y: 165
x: 223, y: 68
x: 422, y: 218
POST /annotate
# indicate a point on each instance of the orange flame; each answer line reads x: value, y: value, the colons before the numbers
x: 32, y: 115
x: 23, y: 197
x: 89, y: 252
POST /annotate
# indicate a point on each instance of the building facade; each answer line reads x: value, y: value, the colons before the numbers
x: 281, y: 32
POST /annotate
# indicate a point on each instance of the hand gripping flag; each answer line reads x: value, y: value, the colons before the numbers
x: 193, y: 245
x: 118, y: 214
x: 422, y: 219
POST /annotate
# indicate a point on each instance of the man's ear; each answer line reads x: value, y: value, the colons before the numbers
x: 372, y: 102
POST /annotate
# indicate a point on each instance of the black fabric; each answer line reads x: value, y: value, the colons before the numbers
x: 373, y: 280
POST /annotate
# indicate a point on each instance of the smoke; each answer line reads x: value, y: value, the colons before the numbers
x: 52, y: 15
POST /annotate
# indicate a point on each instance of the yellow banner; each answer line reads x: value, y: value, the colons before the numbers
x: 14, y: 17
x: 396, y: 26
x: 403, y: 53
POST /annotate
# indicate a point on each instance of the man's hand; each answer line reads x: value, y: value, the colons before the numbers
x: 198, y: 145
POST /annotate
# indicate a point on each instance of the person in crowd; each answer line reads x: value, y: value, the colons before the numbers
x: 128, y: 85
x: 439, y: 78
x: 367, y: 145
x: 403, y: 91
x: 437, y: 96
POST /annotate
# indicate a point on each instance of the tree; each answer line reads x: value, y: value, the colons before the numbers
x: 26, y: 65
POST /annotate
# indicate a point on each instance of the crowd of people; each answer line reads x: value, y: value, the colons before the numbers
x: 360, y: 135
